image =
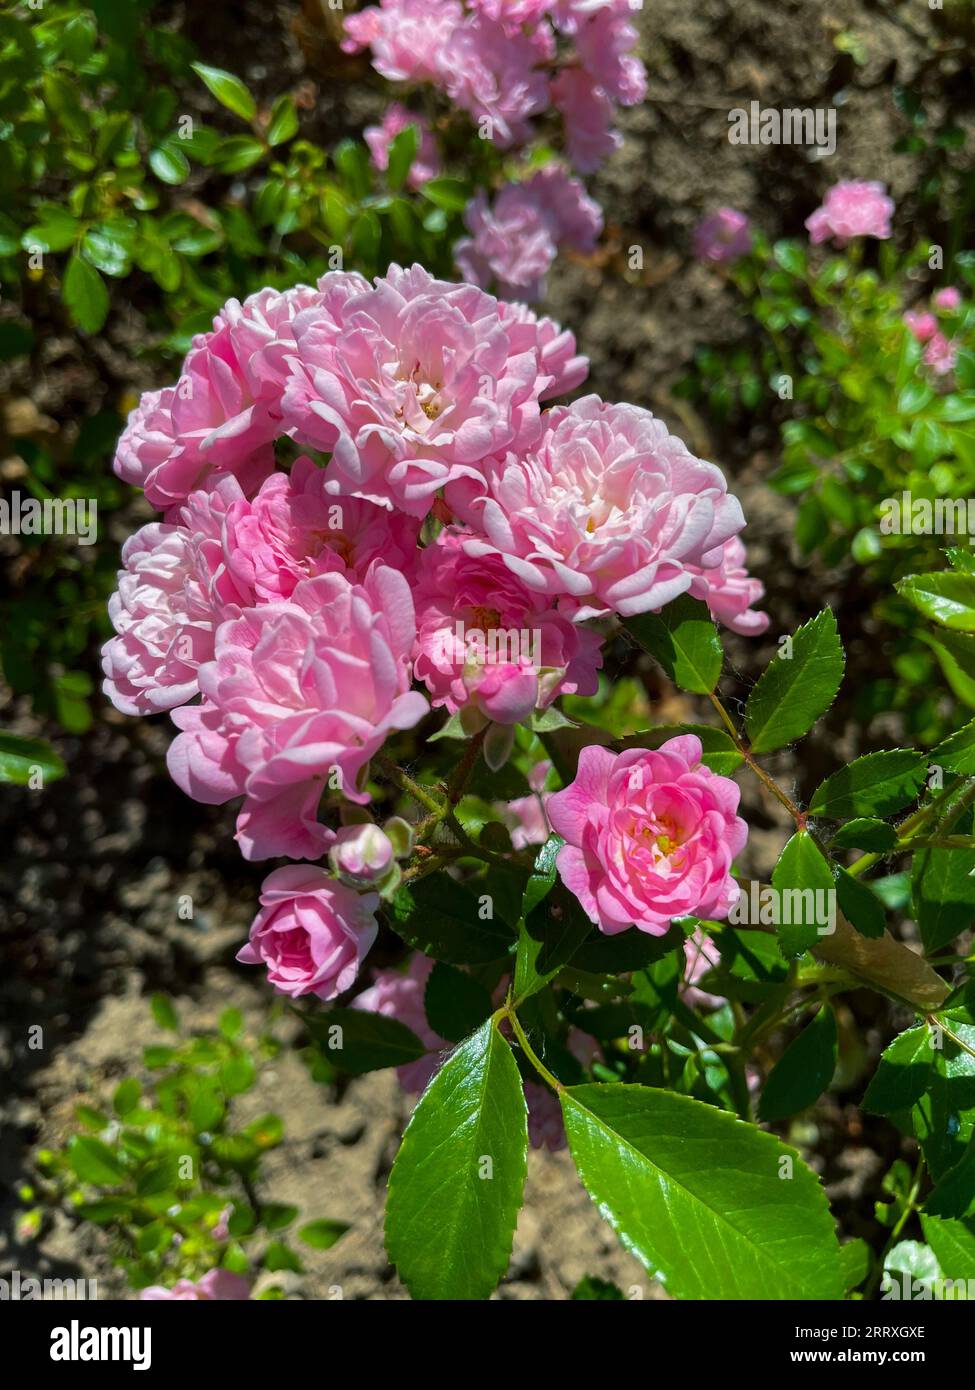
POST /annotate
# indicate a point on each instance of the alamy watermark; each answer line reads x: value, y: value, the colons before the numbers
x: 767, y: 125
x: 54, y: 516
x: 908, y: 515
x: 489, y: 646
x: 763, y: 906
x: 18, y: 1288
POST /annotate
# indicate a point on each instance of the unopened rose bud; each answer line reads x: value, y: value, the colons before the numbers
x: 400, y: 835
x: 361, y: 853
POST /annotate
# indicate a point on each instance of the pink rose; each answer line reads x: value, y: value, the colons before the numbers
x: 400, y: 996
x: 554, y: 347
x: 217, y: 1284
x: 923, y: 324
x: 852, y: 209
x: 300, y: 693
x: 729, y: 591
x: 485, y: 638
x: 650, y: 836
x: 409, y: 38
x: 940, y: 354
x: 312, y: 932
x: 608, y: 509
x: 408, y: 383
x: 426, y: 162
x: 948, y: 299
x: 724, y: 236
x: 587, y: 114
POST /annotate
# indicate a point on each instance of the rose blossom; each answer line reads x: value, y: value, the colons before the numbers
x: 408, y: 383
x: 494, y: 75
x: 650, y: 836
x: 299, y: 692
x: 940, y: 354
x: 554, y: 347
x: 408, y: 38
x: 312, y: 932
x: 729, y: 591
x: 724, y: 236
x: 948, y: 299
x: 172, y: 592
x: 852, y: 209
x: 484, y: 637
x: 426, y: 162
x: 219, y: 1285
x: 400, y: 996
x: 587, y: 114
x: 224, y: 411
x: 607, y: 508
x: 922, y: 324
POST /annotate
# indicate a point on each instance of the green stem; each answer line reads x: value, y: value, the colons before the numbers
x: 508, y: 1012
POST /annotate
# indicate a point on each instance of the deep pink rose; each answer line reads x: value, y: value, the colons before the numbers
x: 948, y: 299
x: 312, y: 932
x: 650, y: 836
x: 921, y: 323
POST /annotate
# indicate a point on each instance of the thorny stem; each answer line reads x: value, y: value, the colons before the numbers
x: 507, y: 1011
x: 798, y: 816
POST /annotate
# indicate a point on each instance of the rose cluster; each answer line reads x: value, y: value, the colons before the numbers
x: 369, y: 506
x: 508, y: 62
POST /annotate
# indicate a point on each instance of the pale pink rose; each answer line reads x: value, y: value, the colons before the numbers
x: 294, y: 529
x: 729, y: 591
x: 948, y: 299
x: 299, y: 693
x: 700, y: 956
x: 608, y: 510
x: 361, y: 854
x: 494, y: 75
x: 485, y: 638
x: 426, y: 162
x: 724, y: 236
x: 852, y: 209
x: 410, y: 39
x: 172, y: 593
x: 604, y: 43
x: 576, y: 220
x: 940, y: 354
x: 397, y: 995
x: 922, y: 324
x: 511, y: 246
x: 554, y: 347
x: 408, y: 384
x: 224, y: 411
x: 512, y: 13
x: 312, y: 932
x: 218, y: 1285
x: 650, y: 836
x: 525, y: 816
x: 587, y: 114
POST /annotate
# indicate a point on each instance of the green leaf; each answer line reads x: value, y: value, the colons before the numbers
x: 859, y: 904
x: 164, y: 1013
x: 458, y: 1179
x: 543, y: 874
x: 126, y: 1096
x: 856, y: 1257
x: 800, y: 879
x: 954, y: 1196
x: 283, y: 122
x: 23, y: 760
x: 93, y: 1161
x: 684, y: 639
x: 943, y: 1119
x: 402, y: 152
x: 452, y: 195
x: 85, y: 294
x: 877, y: 784
x: 945, y: 597
x: 455, y: 1003
x: 793, y: 692
x: 169, y: 163
x: 804, y: 1070
x: 957, y: 753
x: 865, y: 833
x: 228, y: 90
x: 550, y: 936
x: 943, y: 894
x: 357, y: 1041
x: 630, y: 950
x: 439, y: 917
x: 903, y: 1073
x: 322, y: 1234
x: 953, y: 1245
x: 713, y: 1207
x: 237, y: 153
